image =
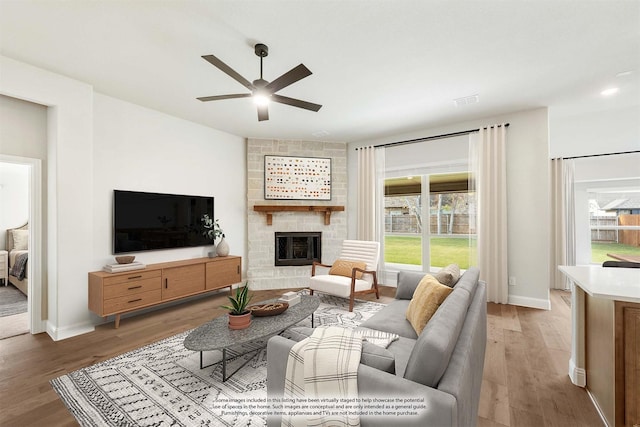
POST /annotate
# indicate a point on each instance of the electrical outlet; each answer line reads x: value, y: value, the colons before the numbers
x: 512, y: 280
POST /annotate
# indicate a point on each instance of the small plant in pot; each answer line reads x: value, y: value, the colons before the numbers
x: 239, y: 316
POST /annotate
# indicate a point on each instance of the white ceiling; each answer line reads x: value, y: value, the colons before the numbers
x: 379, y: 67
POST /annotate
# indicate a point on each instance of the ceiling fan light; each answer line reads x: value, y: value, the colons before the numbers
x: 261, y: 99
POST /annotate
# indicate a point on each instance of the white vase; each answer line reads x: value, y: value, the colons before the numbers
x: 223, y: 248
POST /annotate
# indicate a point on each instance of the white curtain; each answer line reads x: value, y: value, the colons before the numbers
x: 563, y: 234
x: 488, y: 156
x: 366, y: 211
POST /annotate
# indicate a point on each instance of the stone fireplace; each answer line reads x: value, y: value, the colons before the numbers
x: 297, y: 248
x: 262, y: 273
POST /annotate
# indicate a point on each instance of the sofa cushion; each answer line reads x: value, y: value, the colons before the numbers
x: 371, y: 355
x: 391, y: 318
x: 448, y: 275
x: 344, y: 267
x: 427, y: 298
x: 407, y: 283
x: 430, y: 356
x: 336, y: 285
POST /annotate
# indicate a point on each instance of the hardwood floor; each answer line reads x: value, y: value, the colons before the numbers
x: 525, y: 375
x: 525, y: 380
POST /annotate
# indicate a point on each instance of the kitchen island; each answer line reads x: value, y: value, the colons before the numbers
x: 605, y: 347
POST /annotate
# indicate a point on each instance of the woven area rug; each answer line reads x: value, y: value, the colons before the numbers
x: 161, y: 384
x: 12, y: 301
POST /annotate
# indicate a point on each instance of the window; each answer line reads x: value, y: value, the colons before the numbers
x: 434, y: 234
x: 614, y: 223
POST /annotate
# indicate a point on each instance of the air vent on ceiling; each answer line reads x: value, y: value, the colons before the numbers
x: 466, y: 100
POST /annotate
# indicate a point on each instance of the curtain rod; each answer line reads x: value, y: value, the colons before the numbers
x: 429, y: 138
x: 596, y: 155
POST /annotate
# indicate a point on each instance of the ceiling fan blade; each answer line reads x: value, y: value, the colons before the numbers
x: 295, y: 102
x: 228, y: 70
x: 290, y: 77
x: 218, y: 97
x: 263, y: 113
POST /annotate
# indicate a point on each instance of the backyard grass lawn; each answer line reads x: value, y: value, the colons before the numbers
x: 599, y: 251
x: 444, y: 250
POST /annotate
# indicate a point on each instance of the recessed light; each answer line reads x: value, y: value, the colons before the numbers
x: 610, y: 91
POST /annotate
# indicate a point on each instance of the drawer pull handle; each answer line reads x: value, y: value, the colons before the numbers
x: 166, y: 283
x: 135, y: 300
x: 135, y: 287
x: 134, y: 277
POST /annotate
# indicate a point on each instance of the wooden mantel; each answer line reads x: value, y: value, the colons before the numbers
x: 270, y: 209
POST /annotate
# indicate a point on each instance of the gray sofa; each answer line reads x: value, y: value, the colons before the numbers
x: 443, y: 365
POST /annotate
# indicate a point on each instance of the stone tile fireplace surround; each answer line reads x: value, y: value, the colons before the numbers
x: 261, y: 271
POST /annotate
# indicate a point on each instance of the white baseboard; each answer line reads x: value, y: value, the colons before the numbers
x: 543, y: 304
x: 577, y: 375
x: 58, y: 334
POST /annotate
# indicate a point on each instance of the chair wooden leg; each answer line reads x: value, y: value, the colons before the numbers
x: 351, y: 303
x: 377, y: 292
x: 310, y: 291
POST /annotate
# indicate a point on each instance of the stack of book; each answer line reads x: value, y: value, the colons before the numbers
x: 118, y: 268
x: 290, y: 298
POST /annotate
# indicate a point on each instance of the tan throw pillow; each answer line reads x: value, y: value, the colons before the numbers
x: 426, y: 299
x: 449, y: 275
x: 20, y: 240
x: 343, y: 267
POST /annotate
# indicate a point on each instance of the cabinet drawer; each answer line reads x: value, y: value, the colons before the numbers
x: 127, y: 302
x: 132, y: 287
x: 132, y: 276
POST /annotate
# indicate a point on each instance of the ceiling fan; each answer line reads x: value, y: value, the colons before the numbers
x: 263, y: 91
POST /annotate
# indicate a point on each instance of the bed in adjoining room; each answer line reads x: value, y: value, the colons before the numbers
x: 18, y: 248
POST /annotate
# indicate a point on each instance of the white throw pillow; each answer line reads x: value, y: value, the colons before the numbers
x: 21, y: 240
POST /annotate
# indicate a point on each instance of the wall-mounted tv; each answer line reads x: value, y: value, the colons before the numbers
x: 151, y: 221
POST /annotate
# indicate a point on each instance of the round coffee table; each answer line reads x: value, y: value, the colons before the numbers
x: 216, y: 335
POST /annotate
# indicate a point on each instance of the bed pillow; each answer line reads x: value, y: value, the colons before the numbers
x: 426, y: 299
x: 20, y: 239
x: 343, y: 267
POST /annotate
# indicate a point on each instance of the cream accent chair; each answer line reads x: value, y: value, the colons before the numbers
x: 348, y: 287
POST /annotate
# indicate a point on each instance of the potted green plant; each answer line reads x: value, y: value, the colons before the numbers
x: 239, y: 316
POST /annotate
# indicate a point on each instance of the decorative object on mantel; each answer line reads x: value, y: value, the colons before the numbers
x: 270, y: 209
x: 212, y: 231
x: 125, y: 259
x: 291, y: 298
x: 270, y: 309
x: 119, y: 268
x: 239, y: 315
x: 297, y: 178
x: 222, y: 249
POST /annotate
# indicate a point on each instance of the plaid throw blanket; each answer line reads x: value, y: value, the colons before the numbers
x: 19, y: 267
x: 323, y: 365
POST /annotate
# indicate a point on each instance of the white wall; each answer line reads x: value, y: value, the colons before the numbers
x: 69, y: 160
x: 527, y: 197
x: 597, y: 132
x: 153, y: 150
x: 139, y: 149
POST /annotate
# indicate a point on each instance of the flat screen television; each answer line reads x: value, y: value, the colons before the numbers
x: 151, y: 221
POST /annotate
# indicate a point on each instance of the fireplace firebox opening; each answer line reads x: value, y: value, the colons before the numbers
x: 298, y: 248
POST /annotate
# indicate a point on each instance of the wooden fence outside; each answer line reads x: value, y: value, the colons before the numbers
x: 629, y: 237
x: 600, y: 233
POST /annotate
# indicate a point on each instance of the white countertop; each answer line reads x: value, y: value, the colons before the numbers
x: 620, y: 284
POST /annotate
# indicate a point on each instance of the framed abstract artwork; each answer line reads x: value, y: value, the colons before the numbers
x: 297, y: 178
